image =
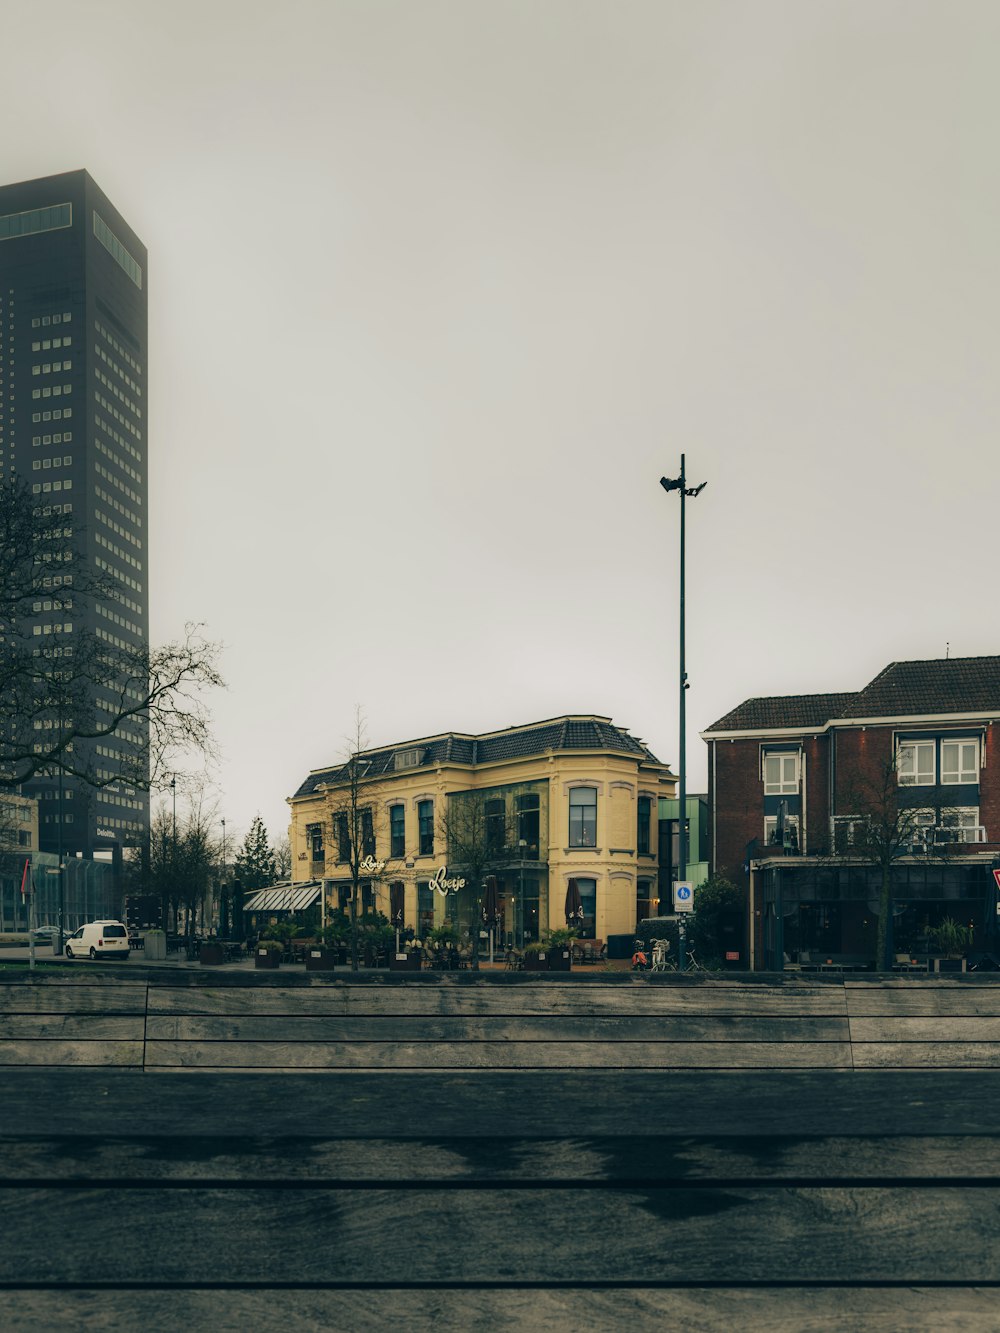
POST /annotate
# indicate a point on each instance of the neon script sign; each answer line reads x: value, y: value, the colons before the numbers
x: 443, y: 884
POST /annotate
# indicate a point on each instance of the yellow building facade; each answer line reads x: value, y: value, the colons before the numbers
x: 570, y: 798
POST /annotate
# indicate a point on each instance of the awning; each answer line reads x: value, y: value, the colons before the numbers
x: 285, y: 897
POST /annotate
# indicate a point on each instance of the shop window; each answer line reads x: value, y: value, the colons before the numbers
x: 643, y: 899
x: 583, y: 817
x: 915, y: 764
x: 496, y: 826
x: 588, y: 897
x: 960, y: 762
x: 397, y: 830
x: 642, y: 842
x: 425, y: 910
x: 781, y: 773
x: 528, y: 825
x: 425, y: 823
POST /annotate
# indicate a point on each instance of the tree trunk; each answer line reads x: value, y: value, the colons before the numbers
x: 354, y: 927
x: 884, y: 908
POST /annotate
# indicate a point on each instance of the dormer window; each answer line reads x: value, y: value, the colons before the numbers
x: 781, y: 773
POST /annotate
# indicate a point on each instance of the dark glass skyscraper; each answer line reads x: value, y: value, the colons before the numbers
x: 74, y: 413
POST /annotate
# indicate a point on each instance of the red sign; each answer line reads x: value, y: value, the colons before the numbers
x: 996, y: 876
x: 732, y: 957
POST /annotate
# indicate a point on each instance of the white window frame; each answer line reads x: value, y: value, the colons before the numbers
x: 918, y: 777
x: 771, y: 824
x: 964, y: 775
x: 784, y: 786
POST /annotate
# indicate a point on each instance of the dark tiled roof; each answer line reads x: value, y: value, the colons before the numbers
x: 784, y: 710
x: 564, y: 733
x: 940, y: 685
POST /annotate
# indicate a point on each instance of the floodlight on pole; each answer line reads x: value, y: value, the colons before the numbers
x: 680, y: 484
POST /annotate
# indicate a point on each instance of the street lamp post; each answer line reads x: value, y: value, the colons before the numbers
x: 519, y: 934
x: 224, y: 925
x: 680, y: 484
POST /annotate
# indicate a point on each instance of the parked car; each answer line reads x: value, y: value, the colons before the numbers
x: 99, y: 939
x: 44, y: 934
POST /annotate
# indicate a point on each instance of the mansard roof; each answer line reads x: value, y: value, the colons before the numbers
x: 573, y: 732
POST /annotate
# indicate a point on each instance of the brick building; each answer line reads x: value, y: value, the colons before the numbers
x: 791, y: 779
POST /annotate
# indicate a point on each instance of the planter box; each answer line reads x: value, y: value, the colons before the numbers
x: 404, y: 962
x: 155, y: 947
x: 536, y: 962
x: 560, y: 960
x: 267, y: 958
x: 949, y: 964
x: 322, y: 960
x: 211, y: 955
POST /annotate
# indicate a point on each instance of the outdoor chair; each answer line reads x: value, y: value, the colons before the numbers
x: 514, y: 960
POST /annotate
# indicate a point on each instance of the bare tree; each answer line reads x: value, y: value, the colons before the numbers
x: 352, y: 804
x: 61, y: 691
x: 480, y: 830
x: 283, y: 858
x: 887, y: 821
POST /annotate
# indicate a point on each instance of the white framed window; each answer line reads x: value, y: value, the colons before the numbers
x: 781, y: 772
x: 959, y: 824
x: 791, y: 841
x: 915, y: 764
x: 960, y: 761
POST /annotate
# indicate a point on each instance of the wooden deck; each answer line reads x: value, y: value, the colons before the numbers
x: 472, y: 1153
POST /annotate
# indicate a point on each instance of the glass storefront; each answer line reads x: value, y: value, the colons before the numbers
x: 812, y: 910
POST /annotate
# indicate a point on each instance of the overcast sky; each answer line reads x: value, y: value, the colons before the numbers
x: 440, y: 288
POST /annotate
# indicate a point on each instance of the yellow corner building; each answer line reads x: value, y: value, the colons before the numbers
x: 574, y: 797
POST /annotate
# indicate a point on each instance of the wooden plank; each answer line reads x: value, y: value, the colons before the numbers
x: 472, y: 1236
x: 559, y: 1028
x: 81, y: 1027
x: 568, y: 1307
x: 570, y: 1161
x: 71, y: 1053
x: 927, y: 1055
x: 487, y: 1001
x: 973, y: 1001
x: 505, y: 1104
x: 67, y: 998
x: 293, y: 1055
x: 896, y: 1028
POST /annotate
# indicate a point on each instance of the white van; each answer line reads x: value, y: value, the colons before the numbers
x: 99, y: 939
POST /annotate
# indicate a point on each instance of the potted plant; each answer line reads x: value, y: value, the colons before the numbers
x: 376, y: 939
x: 211, y: 953
x: 536, y: 958
x: 949, y: 940
x: 559, y: 948
x: 268, y: 953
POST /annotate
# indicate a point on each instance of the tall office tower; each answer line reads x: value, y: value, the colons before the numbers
x: 74, y: 414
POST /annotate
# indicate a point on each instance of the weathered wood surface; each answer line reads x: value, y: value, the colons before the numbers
x: 32, y: 1051
x: 565, y: 1310
x: 67, y: 998
x: 481, y: 1237
x: 488, y: 1000
x: 418, y: 1028
x: 630, y: 1195
x: 640, y: 1160
x: 504, y: 1054
x: 68, y: 1027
